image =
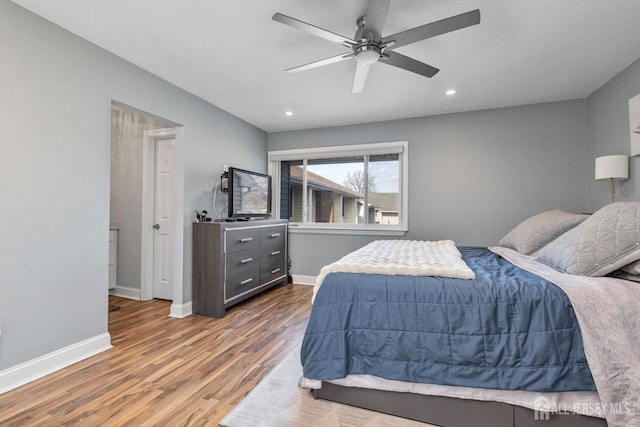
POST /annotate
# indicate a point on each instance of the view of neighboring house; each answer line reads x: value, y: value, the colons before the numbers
x: 384, y: 207
x: 331, y: 202
x: 328, y: 201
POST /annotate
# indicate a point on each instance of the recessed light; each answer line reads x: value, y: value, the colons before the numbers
x: 451, y: 92
x: 288, y: 113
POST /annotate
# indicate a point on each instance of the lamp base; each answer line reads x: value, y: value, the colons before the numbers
x: 613, y: 190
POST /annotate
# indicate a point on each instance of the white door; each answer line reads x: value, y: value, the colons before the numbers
x: 163, y: 219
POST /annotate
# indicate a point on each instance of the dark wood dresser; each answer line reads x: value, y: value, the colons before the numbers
x: 233, y: 261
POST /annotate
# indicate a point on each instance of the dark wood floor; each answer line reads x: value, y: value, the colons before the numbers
x: 165, y: 371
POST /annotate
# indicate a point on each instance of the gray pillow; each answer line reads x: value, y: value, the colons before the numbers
x: 620, y: 274
x: 535, y: 232
x: 633, y: 268
x: 604, y: 242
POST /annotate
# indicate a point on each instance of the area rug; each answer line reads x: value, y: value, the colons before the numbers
x: 278, y: 401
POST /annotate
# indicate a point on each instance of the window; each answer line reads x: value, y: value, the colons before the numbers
x: 344, y: 189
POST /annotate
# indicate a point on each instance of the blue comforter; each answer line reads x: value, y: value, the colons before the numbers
x: 507, y: 329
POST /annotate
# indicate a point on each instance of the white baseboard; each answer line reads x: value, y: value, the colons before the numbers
x: 125, y: 292
x: 181, y: 311
x: 24, y: 373
x: 300, y: 279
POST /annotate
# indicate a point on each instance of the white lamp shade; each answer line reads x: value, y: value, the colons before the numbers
x: 616, y: 167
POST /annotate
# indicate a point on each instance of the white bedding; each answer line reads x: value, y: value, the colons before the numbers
x: 402, y: 257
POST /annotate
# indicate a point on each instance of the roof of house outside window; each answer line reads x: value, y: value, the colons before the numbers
x: 386, y: 202
x: 320, y: 182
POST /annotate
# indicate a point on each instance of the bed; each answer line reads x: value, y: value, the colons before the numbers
x: 520, y: 342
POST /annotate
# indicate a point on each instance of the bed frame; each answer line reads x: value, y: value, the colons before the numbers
x: 448, y: 411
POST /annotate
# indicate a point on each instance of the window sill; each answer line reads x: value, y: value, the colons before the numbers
x: 298, y: 228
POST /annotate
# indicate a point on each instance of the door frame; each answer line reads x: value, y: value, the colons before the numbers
x: 148, y: 208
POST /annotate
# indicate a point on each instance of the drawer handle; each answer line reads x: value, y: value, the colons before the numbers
x: 246, y: 239
x: 275, y: 235
x: 244, y: 282
x: 275, y: 271
x: 275, y: 252
x: 246, y: 260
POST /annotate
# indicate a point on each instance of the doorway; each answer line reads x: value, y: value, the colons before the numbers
x: 158, y: 168
x: 147, y: 180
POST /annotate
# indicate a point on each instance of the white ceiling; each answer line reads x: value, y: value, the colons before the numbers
x: 230, y: 53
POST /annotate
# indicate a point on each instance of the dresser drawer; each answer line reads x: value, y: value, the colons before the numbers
x: 272, y: 256
x: 272, y: 272
x: 242, y: 282
x: 242, y: 239
x: 272, y: 259
x: 273, y: 237
x: 242, y: 261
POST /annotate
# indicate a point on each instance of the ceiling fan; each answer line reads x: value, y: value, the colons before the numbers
x: 368, y: 46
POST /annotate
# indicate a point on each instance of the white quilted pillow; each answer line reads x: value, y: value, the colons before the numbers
x: 535, y: 232
x: 606, y: 241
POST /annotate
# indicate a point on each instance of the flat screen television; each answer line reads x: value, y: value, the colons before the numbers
x: 249, y: 194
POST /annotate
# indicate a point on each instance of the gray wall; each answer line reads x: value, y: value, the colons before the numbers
x: 472, y: 176
x: 55, y: 111
x: 608, y: 112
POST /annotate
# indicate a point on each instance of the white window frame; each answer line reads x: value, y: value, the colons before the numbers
x: 399, y: 147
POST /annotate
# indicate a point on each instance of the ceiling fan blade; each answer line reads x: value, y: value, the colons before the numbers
x: 374, y: 19
x: 312, y: 29
x: 409, y: 64
x: 360, y: 77
x: 433, y: 29
x: 320, y: 63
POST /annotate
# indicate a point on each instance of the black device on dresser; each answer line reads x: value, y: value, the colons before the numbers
x: 233, y: 261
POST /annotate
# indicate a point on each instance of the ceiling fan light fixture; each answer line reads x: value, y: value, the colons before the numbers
x: 367, y: 56
x: 451, y: 92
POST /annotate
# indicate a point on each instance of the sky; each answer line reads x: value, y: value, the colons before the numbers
x: 385, y: 173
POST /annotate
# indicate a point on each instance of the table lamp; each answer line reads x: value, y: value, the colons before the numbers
x: 612, y: 168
